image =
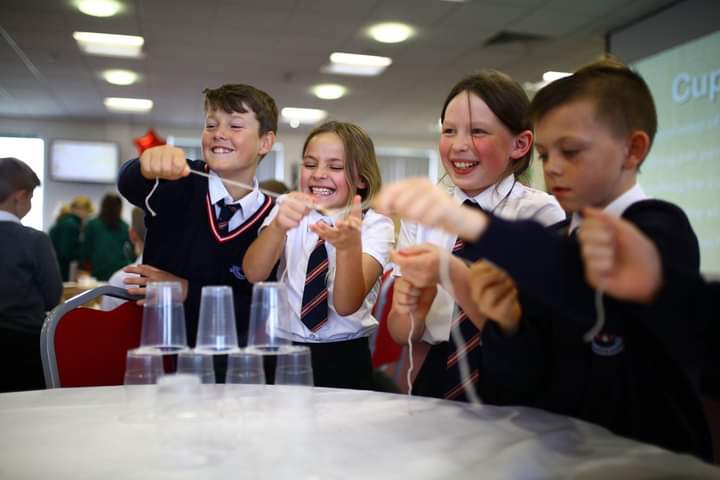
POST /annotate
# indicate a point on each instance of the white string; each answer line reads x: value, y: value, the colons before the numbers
x: 147, y: 199
x: 599, y: 316
x: 410, y: 356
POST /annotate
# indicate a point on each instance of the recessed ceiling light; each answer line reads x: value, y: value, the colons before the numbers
x: 120, y: 77
x: 297, y: 116
x: 551, y: 76
x: 329, y: 91
x: 109, y: 45
x: 127, y: 105
x: 391, y: 32
x: 99, y: 8
x: 355, y: 64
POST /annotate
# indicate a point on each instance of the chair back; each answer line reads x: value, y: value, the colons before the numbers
x: 82, y: 347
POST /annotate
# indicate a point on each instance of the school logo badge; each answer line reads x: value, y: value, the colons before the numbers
x: 607, y: 345
x: 237, y: 272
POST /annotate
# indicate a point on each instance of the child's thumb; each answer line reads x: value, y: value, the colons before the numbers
x: 356, y: 208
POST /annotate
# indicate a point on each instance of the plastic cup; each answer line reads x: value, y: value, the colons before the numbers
x: 163, y: 327
x: 270, y: 330
x: 294, y: 367
x: 246, y: 368
x: 217, y: 332
x: 198, y: 364
x: 143, y: 367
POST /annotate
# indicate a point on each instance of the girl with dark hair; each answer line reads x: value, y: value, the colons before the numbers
x: 485, y: 144
x: 105, y: 246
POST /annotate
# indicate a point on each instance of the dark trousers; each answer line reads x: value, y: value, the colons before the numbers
x: 20, y: 364
x: 344, y: 364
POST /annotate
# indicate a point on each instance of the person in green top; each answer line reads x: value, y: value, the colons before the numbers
x: 66, y: 233
x: 107, y: 247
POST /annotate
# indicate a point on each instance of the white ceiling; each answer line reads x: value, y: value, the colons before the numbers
x: 281, y: 45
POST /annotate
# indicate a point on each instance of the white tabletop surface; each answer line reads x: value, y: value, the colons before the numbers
x: 301, y: 433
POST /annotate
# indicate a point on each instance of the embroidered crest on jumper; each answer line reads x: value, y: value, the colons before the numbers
x: 237, y: 272
x: 607, y: 345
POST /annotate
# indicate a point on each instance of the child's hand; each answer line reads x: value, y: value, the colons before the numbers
x: 618, y: 258
x: 495, y: 295
x: 345, y: 235
x: 420, y: 200
x: 165, y: 162
x: 293, y: 208
x: 147, y: 274
x: 408, y: 299
x: 419, y: 264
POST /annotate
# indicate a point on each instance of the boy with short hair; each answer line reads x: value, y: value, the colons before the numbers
x: 592, y: 132
x: 30, y: 282
x: 203, y: 226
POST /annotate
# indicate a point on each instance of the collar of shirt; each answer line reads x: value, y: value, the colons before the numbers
x: 490, y: 198
x: 6, y: 216
x: 314, y: 216
x: 616, y: 207
x: 248, y: 204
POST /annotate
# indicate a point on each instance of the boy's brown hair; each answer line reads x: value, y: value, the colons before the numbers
x: 507, y: 100
x: 16, y: 175
x: 238, y: 98
x: 361, y: 163
x: 622, y: 99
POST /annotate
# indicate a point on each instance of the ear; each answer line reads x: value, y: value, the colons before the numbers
x: 638, y: 148
x: 361, y: 183
x: 132, y: 234
x: 267, y: 140
x: 21, y: 195
x: 522, y: 143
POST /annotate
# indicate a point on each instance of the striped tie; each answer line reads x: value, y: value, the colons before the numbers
x: 314, y: 311
x: 226, y: 213
x: 471, y: 336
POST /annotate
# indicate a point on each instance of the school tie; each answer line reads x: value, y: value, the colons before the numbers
x: 455, y: 387
x: 226, y: 213
x: 314, y: 311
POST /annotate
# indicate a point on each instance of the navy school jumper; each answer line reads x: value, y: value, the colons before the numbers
x: 183, y: 239
x: 636, y: 377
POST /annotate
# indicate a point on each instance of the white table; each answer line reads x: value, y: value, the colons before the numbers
x: 294, y: 432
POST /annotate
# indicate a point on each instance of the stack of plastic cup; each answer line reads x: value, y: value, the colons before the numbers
x: 198, y: 364
x: 246, y: 368
x: 217, y: 333
x: 294, y: 367
x: 163, y: 327
x: 143, y: 367
x: 270, y: 329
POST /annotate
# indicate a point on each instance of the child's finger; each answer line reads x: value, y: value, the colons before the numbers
x: 356, y: 208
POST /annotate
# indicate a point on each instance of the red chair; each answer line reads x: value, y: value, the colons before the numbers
x: 386, y: 350
x: 83, y: 347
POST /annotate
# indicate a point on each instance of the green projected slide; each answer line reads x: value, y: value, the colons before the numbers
x: 684, y: 164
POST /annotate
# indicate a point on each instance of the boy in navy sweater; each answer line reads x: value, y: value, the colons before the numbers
x: 30, y: 282
x: 201, y: 227
x: 593, y: 130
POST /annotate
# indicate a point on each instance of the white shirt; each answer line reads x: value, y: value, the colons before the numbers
x: 378, y: 239
x: 508, y: 201
x: 616, y: 207
x: 249, y: 204
x: 6, y: 216
x: 117, y: 280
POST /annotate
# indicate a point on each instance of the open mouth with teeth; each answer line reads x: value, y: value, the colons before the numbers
x: 464, y: 166
x: 221, y: 150
x: 322, y: 192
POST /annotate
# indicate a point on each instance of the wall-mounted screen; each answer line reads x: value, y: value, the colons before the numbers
x: 84, y: 161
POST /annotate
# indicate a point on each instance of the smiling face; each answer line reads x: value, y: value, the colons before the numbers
x: 232, y: 144
x: 323, y: 174
x: 475, y: 146
x: 585, y: 164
